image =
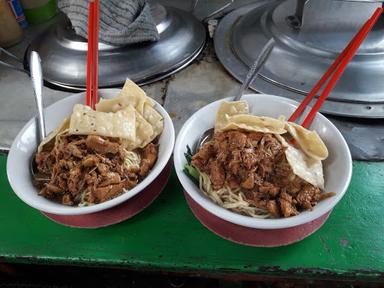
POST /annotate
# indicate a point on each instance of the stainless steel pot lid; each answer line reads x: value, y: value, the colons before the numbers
x: 63, y: 53
x: 303, y: 54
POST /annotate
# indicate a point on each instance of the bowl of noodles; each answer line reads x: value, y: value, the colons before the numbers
x: 259, y: 170
x: 92, y: 160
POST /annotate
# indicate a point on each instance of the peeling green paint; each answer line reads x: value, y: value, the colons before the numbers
x: 167, y: 237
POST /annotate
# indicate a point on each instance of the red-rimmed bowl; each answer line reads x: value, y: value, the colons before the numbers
x: 337, y: 167
x: 25, y: 145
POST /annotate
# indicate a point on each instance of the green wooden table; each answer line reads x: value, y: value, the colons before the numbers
x: 167, y: 237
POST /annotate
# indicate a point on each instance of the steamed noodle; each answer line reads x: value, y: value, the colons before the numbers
x: 228, y: 198
x: 132, y: 160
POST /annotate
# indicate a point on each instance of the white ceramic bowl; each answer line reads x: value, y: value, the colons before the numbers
x: 24, y: 146
x: 337, y: 167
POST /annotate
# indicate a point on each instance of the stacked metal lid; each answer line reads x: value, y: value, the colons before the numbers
x: 309, y: 35
x: 63, y: 53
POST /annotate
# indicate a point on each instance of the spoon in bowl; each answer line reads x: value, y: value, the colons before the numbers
x: 37, y: 84
x: 251, y: 75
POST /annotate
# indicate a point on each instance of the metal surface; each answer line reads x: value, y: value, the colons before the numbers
x: 37, y: 84
x: 252, y: 73
x: 63, y: 53
x: 217, y: 12
x: 14, y: 58
x: 214, y: 13
x: 167, y: 237
x: 365, y: 137
x: 201, y: 83
x: 255, y: 68
x: 302, y: 56
x: 204, y: 138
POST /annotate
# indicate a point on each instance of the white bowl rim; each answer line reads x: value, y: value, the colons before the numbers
x: 74, y: 210
x: 247, y: 221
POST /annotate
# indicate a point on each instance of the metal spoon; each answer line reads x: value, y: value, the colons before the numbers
x: 252, y: 73
x: 37, y: 84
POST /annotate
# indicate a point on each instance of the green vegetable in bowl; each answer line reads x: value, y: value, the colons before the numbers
x: 189, y: 170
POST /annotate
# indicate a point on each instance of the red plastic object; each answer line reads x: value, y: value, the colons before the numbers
x: 95, y: 54
x: 339, y: 66
x: 89, y: 54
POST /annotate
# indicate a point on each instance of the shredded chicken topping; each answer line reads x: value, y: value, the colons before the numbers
x: 255, y: 164
x: 85, y: 170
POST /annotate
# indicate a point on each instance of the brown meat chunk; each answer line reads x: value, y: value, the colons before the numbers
x: 200, y: 160
x: 221, y: 150
x: 91, y: 178
x: 273, y: 208
x: 286, y: 205
x: 110, y: 178
x: 237, y: 139
x: 269, y: 189
x: 232, y: 182
x: 326, y: 195
x: 50, y: 191
x: 265, y: 167
x: 255, y: 199
x: 249, y: 182
x: 130, y: 183
x: 67, y: 200
x: 102, y: 168
x: 260, y: 203
x: 250, y: 159
x: 217, y: 175
x: 75, y: 151
x: 234, y: 167
x: 285, y: 196
x: 105, y: 193
x: 294, y: 186
x: 44, y: 162
x: 254, y: 138
x: 270, y: 146
x: 75, y: 180
x: 309, y: 194
x: 90, y: 161
x: 148, y: 158
x: 101, y: 145
x: 287, y: 208
x: 53, y: 189
x: 61, y: 181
